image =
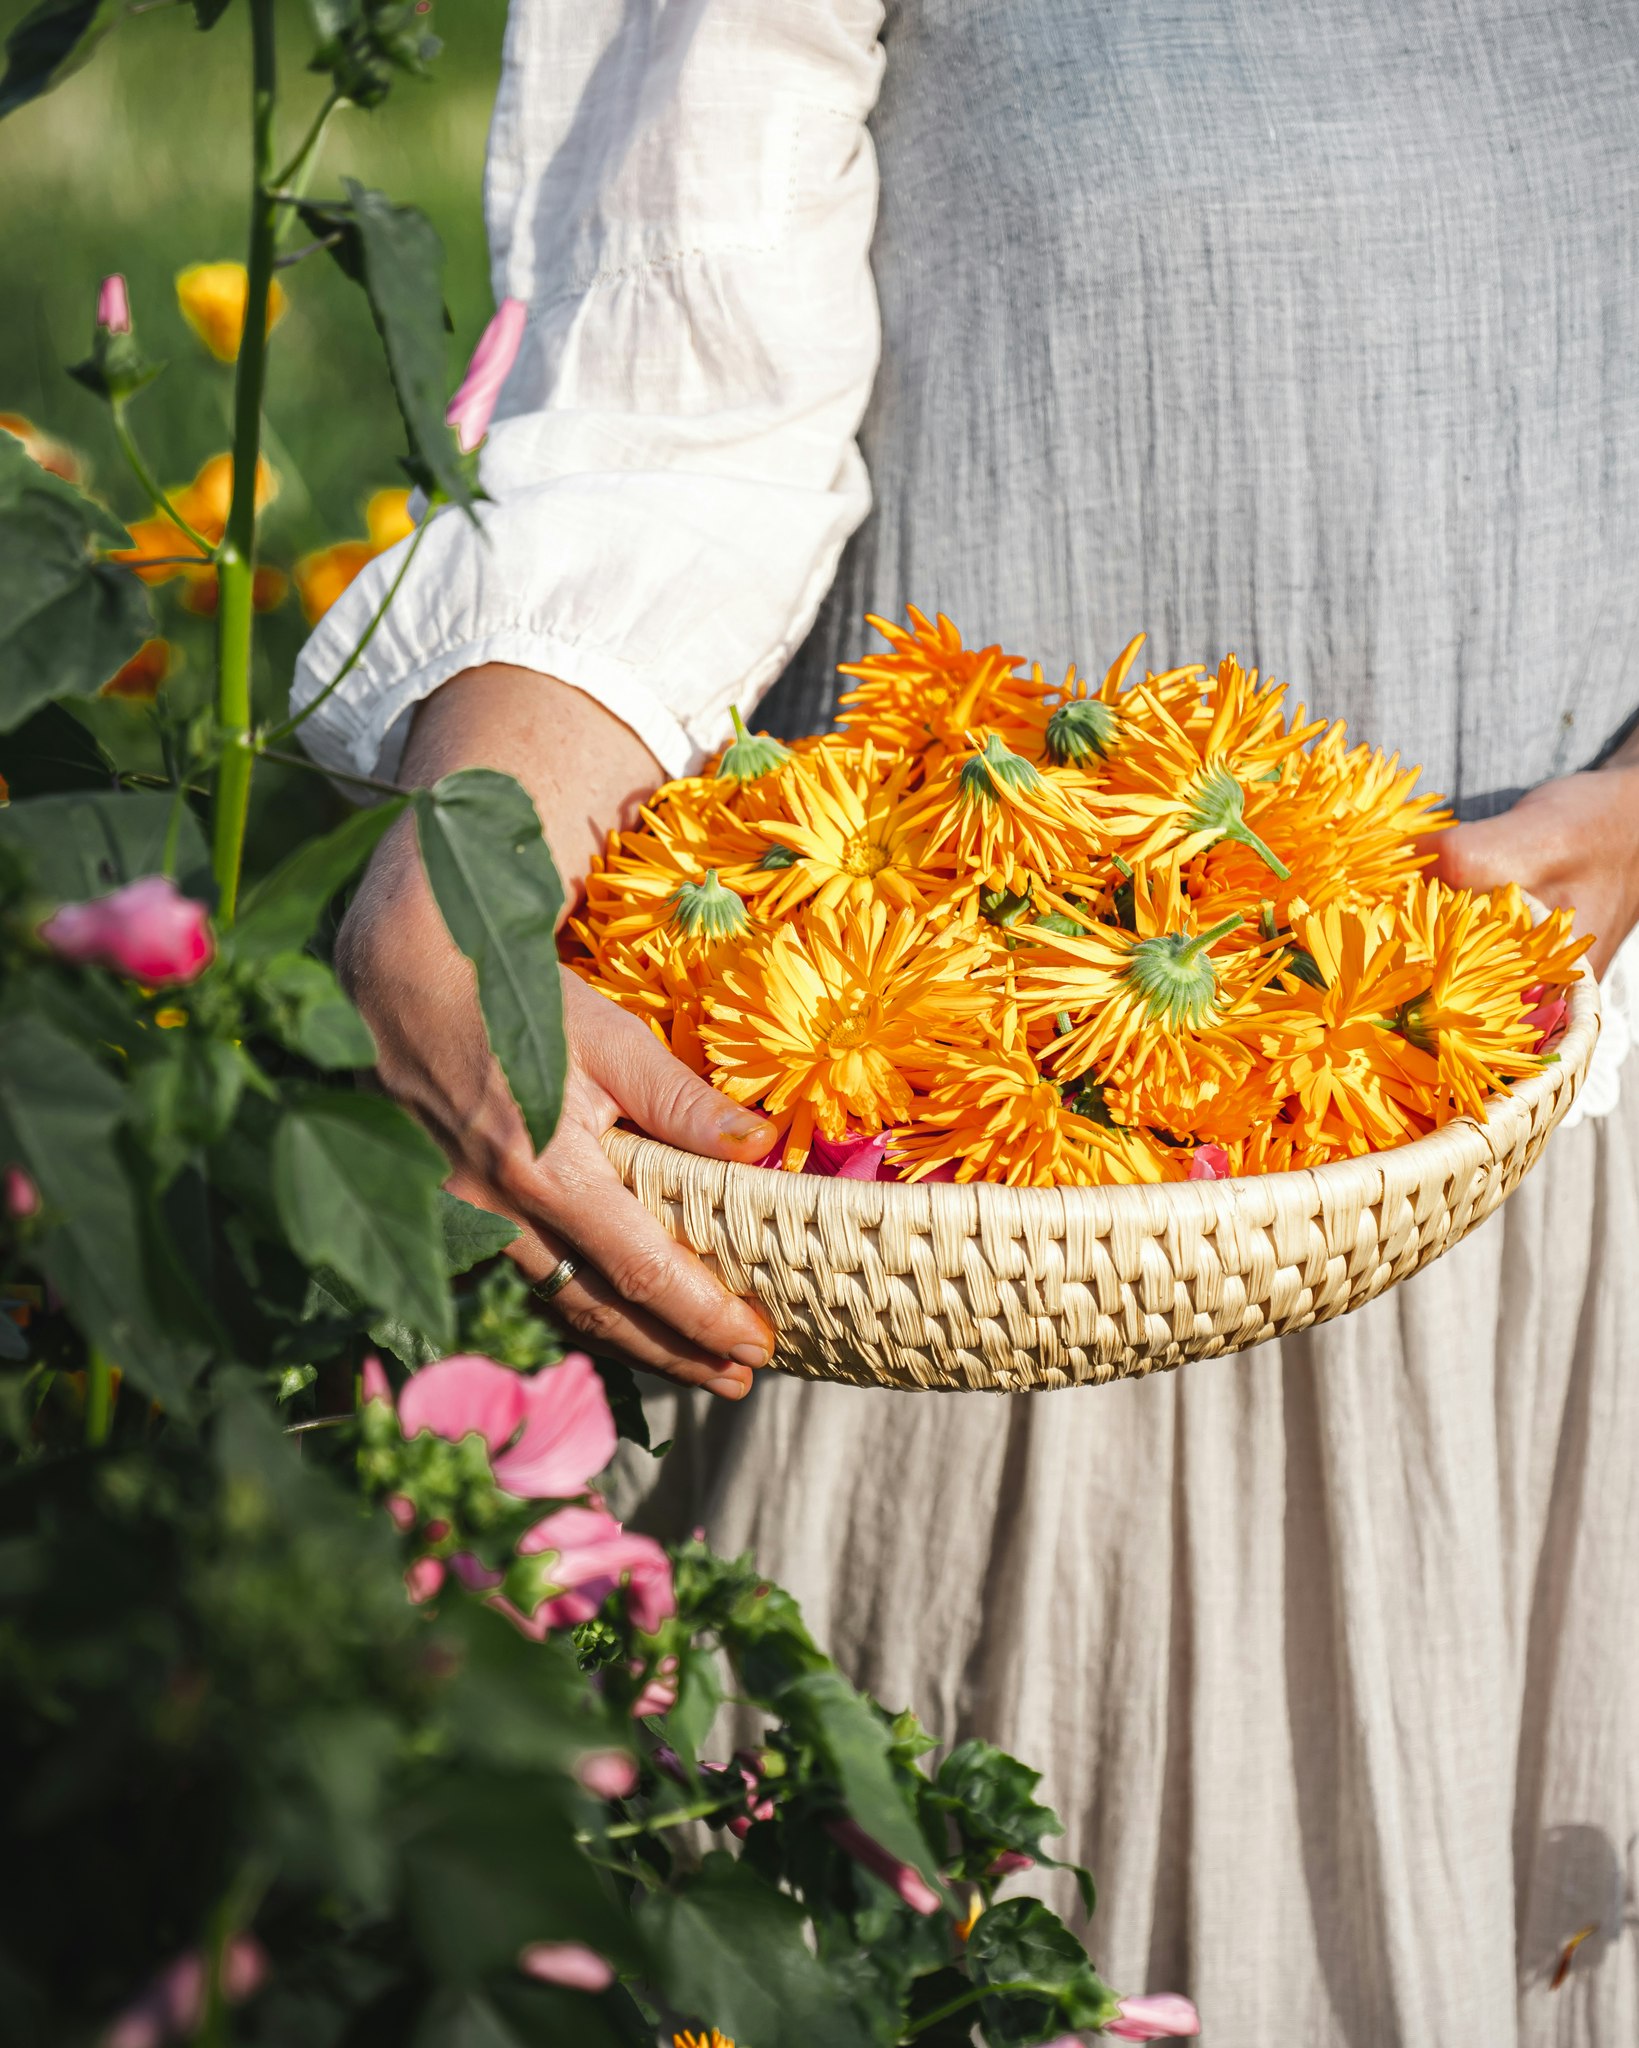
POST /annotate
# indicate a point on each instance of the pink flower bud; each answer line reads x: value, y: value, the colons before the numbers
x: 569, y: 1963
x: 402, y: 1509
x: 471, y: 408
x: 1209, y: 1162
x: 865, y: 1849
x: 173, y: 2006
x: 1158, y: 2016
x: 1008, y: 1861
x: 114, y: 305
x: 659, y: 1695
x: 21, y: 1196
x: 147, y: 930
x: 607, y: 1773
x: 424, y: 1578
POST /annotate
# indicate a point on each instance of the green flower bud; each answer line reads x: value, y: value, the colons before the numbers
x: 749, y: 754
x: 706, y: 910
x: 997, y: 768
x: 1081, y: 731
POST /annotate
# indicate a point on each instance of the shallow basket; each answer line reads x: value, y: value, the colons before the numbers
x: 1009, y: 1289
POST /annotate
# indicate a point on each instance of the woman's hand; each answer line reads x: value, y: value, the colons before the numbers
x: 1573, y: 843
x: 636, y: 1291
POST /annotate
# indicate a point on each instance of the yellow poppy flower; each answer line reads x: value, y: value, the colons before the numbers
x: 213, y: 298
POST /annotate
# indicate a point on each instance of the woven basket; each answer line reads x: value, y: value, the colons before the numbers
x: 1010, y: 1289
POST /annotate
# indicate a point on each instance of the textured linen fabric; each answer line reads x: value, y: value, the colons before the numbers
x: 1310, y: 331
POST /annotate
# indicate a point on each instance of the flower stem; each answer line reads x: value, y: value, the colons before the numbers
x: 293, y: 178
x: 1202, y: 940
x: 1244, y: 833
x: 99, y: 1397
x: 156, y: 497
x: 332, y: 774
x: 965, y: 1999
x: 236, y: 561
x: 283, y: 732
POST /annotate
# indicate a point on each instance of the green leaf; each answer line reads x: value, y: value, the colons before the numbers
x: 51, y: 41
x: 824, y: 1710
x: 84, y: 844
x: 471, y: 1235
x: 1020, y: 1942
x: 499, y: 893
x: 54, y: 751
x: 395, y: 254
x: 184, y: 1097
x: 730, y: 1950
x: 207, y: 13
x: 282, y: 910
x: 990, y: 1795
x: 60, y: 1116
x: 625, y: 1402
x: 67, y: 621
x: 300, y: 1002
x: 356, y: 1183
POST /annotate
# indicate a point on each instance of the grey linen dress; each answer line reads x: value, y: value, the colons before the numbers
x: 1310, y: 331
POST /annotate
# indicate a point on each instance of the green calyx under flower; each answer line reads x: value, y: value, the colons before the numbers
x: 778, y: 857
x: 1174, y: 974
x: 994, y: 770
x: 1410, y: 1020
x: 750, y: 754
x: 1081, y: 731
x: 1299, y: 962
x: 450, y: 1485
x: 1220, y: 808
x: 706, y: 910
x: 1004, y: 907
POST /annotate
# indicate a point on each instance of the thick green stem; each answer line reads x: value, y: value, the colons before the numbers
x: 156, y: 497
x: 99, y: 1397
x: 236, y: 560
x: 1202, y: 940
x: 954, y: 2005
x: 1271, y: 860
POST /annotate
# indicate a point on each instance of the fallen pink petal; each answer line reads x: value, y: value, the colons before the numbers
x: 569, y: 1963
x: 148, y: 930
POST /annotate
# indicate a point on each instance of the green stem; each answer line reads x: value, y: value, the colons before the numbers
x: 1244, y: 833
x: 236, y: 561
x: 99, y: 1397
x: 283, y: 732
x: 624, y: 1830
x: 332, y: 774
x: 1202, y: 940
x: 293, y: 178
x: 967, y: 1998
x: 156, y: 497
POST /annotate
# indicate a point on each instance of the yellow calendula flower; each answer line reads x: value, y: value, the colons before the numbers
x: 213, y: 298
x: 711, y: 2040
x: 846, y: 832
x: 830, y: 1022
x: 994, y: 820
x: 928, y: 691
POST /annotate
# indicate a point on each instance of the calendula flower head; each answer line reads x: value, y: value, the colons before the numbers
x: 749, y: 755
x: 928, y: 690
x: 828, y: 1022
x: 1085, y: 724
x: 996, y: 819
x: 706, y: 910
x: 847, y: 830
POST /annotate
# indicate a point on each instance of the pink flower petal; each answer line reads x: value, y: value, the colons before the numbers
x: 1209, y: 1162
x: 473, y: 405
x: 463, y: 1396
x: 854, y: 1157
x: 402, y: 1510
x: 568, y: 1435
x: 1157, y: 2016
x: 1007, y: 1861
x: 569, y: 1963
x: 147, y: 931
x: 424, y: 1578
x: 866, y: 1850
x: 607, y: 1773
x: 173, y: 2006
x: 114, y: 305
x: 377, y: 1386
x: 474, y: 1574
x: 21, y: 1196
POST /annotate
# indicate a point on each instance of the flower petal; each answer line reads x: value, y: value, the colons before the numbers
x: 569, y: 1433
x: 459, y: 1396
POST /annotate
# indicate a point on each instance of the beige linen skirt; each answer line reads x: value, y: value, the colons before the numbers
x: 1328, y: 1651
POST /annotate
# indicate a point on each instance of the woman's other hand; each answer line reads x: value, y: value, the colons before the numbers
x: 636, y: 1291
x: 1573, y: 843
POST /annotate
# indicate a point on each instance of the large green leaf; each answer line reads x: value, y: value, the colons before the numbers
x: 300, y: 1002
x: 395, y: 254
x: 730, y: 1950
x: 1022, y: 1943
x: 471, y: 1235
x: 500, y: 895
x: 49, y: 42
x: 60, y: 1116
x: 824, y: 1709
x: 356, y: 1183
x: 283, y: 908
x: 55, y: 751
x: 84, y: 844
x: 67, y: 621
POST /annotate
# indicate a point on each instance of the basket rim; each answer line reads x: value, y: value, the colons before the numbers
x: 1465, y: 1142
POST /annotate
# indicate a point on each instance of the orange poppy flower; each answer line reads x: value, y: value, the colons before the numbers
x: 213, y: 297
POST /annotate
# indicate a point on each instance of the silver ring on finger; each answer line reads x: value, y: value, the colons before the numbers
x: 556, y: 1281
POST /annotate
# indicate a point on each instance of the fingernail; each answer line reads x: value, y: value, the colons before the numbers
x: 731, y: 1390
x: 740, y: 1125
x: 750, y: 1354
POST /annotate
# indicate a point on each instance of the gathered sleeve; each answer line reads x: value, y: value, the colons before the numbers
x: 682, y: 193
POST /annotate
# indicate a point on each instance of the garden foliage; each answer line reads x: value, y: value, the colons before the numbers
x: 253, y: 1790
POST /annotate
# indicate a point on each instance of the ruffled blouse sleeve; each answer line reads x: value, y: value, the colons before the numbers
x: 683, y: 196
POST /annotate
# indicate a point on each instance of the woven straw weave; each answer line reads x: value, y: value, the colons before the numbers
x: 1008, y: 1289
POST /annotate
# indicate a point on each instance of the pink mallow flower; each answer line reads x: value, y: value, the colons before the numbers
x: 1209, y: 1162
x: 865, y: 1849
x: 1157, y: 2016
x: 173, y: 2006
x: 148, y: 930
x: 590, y: 1555
x: 1547, y: 1013
x: 852, y: 1157
x: 569, y: 1963
x: 559, y: 1416
x: 607, y: 1773
x: 114, y: 305
x: 19, y: 1197
x: 659, y: 1696
x: 473, y: 405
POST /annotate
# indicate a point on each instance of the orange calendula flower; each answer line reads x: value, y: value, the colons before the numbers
x: 929, y: 690
x: 850, y: 830
x: 139, y: 679
x: 834, y: 1022
x: 692, y: 2040
x: 322, y: 576
x: 998, y: 819
x: 213, y: 298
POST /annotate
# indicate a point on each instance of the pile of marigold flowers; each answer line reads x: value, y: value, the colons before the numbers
x: 994, y: 929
